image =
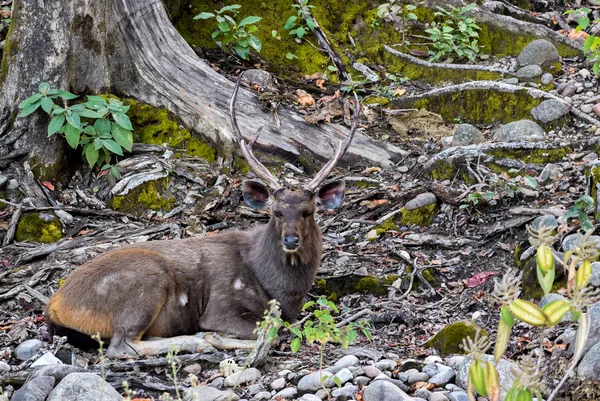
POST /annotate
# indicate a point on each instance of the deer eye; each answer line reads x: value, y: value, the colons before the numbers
x: 278, y: 214
x: 306, y: 213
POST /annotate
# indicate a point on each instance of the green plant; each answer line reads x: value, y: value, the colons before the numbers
x: 232, y: 35
x: 457, y: 35
x: 500, y: 186
x: 102, y: 360
x: 396, y: 9
x: 298, y: 25
x: 5, y: 15
x: 580, y: 210
x: 109, y: 134
x: 591, y: 46
x: 174, y: 369
x: 483, y: 376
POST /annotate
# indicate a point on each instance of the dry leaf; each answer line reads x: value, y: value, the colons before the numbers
x: 573, y: 35
x: 399, y: 92
x: 327, y: 99
x: 4, y: 13
x: 370, y: 170
x: 371, y: 204
x: 84, y: 232
x: 304, y: 99
x: 316, y: 75
x: 48, y: 185
x: 319, y: 83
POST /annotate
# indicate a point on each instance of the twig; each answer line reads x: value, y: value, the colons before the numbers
x: 353, y: 317
x: 9, y: 203
x: 12, y: 228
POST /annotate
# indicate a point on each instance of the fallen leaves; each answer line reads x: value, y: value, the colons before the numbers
x: 304, y: 98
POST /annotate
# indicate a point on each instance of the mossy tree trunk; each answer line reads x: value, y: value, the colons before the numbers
x: 131, y: 49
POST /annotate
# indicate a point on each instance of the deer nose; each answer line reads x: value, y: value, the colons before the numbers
x: 291, y: 242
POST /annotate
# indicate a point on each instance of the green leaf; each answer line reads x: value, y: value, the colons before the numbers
x: 295, y: 345
x: 249, y: 20
x: 72, y: 135
x: 584, y: 22
x: 89, y: 113
x: 233, y: 7
x: 255, y: 43
x: 243, y: 52
x: 47, y: 104
x: 310, y: 23
x: 91, y: 154
x: 113, y: 147
x: 224, y: 26
x: 300, y: 32
x: 308, y: 305
x: 290, y: 56
x: 27, y: 110
x: 44, y: 87
x: 55, y: 124
x: 204, y: 15
x: 67, y: 95
x: 337, y: 380
x: 122, y: 120
x: 588, y: 43
x: 74, y: 120
x: 30, y: 100
x: 290, y: 23
x: 98, y: 143
x: 114, y: 172
x: 122, y: 136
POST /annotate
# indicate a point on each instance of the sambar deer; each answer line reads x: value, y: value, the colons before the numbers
x: 221, y: 283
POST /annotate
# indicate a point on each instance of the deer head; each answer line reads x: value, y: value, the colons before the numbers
x: 292, y: 208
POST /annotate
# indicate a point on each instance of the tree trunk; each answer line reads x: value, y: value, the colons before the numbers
x: 131, y: 49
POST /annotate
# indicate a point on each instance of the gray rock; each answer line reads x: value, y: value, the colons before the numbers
x: 47, y: 359
x: 551, y: 297
x: 383, y: 390
x: 64, y: 217
x: 539, y: 52
x: 522, y: 130
x: 568, y: 91
x: 511, y: 81
x: 415, y: 376
x: 442, y: 377
x: 422, y: 393
x: 349, y: 391
x: 587, y: 108
x: 27, y: 349
x: 344, y: 375
x: 438, y: 396
x: 348, y: 360
x: 59, y: 372
x: 366, y: 71
x: 388, y: 364
x: 3, y: 180
x: 466, y: 134
x: 4, y: 367
x: 312, y: 382
x: 262, y: 395
x: 398, y: 383
x: 547, y: 221
x: 504, y: 373
x: 208, y: 393
x: 361, y: 380
x: 585, y: 73
x: 546, y: 78
x: 35, y: 390
x: 595, y: 277
x: 371, y: 371
x: 431, y: 369
x: 550, y: 110
x: 278, y: 384
x: 551, y: 171
x: 258, y: 77
x: 309, y: 397
x: 254, y: 389
x: 458, y: 396
x: 529, y: 73
x: 421, y: 200
x: 571, y: 241
x: 287, y: 393
x: 362, y: 352
x: 249, y: 375
x: 83, y: 387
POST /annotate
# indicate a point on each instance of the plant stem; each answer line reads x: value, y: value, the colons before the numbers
x: 321, y: 371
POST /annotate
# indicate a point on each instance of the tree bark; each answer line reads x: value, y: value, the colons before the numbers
x: 131, y: 49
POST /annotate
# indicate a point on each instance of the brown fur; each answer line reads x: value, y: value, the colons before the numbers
x: 227, y: 280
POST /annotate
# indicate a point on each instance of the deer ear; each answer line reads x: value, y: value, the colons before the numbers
x: 331, y: 195
x: 256, y: 194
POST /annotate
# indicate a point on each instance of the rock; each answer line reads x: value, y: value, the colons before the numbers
x: 422, y: 393
x: 550, y: 110
x: 35, y: 390
x: 511, y: 81
x: 458, y: 396
x: 208, y: 393
x: 362, y: 352
x: 586, y: 108
x: 278, y: 384
x: 504, y: 373
x: 249, y: 375
x: 529, y: 73
x: 517, y: 131
x: 546, y: 78
x: 547, y: 221
x: 551, y: 171
x: 287, y: 393
x: 368, y: 73
x: 65, y: 218
x: 595, y: 277
x: 571, y: 241
x: 383, y: 390
x: 466, y: 134
x: 344, y: 375
x: 414, y: 376
x: 361, y: 380
x: 551, y: 297
x: 4, y: 367
x: 585, y: 73
x: 47, y: 359
x: 398, y: 383
x: 438, y: 396
x: 263, y: 395
x: 539, y: 52
x: 59, y: 372
x: 421, y: 200
x: 312, y: 381
x: 371, y: 371
x: 254, y: 389
x: 596, y: 109
x: 386, y: 364
x: 27, y: 349
x: 442, y: 377
x: 349, y: 391
x: 309, y: 397
x: 449, y: 339
x: 83, y: 387
x: 594, y: 323
x: 348, y: 360
x: 258, y: 77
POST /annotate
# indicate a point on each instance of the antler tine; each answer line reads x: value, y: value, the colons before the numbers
x: 256, y: 166
x: 342, y: 147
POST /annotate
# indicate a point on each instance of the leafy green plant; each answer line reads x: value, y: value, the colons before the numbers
x: 5, y: 15
x: 175, y: 367
x: 591, y: 46
x: 396, y: 9
x: 301, y: 23
x: 457, y: 35
x: 501, y: 186
x: 483, y: 376
x: 233, y: 35
x: 580, y: 210
x: 102, y: 128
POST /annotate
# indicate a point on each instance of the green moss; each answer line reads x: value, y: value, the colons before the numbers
x: 201, y: 149
x: 387, y: 225
x: 422, y: 216
x: 382, y: 101
x: 11, y: 47
x: 442, y: 170
x: 594, y: 174
x: 478, y: 106
x: 531, y: 155
x: 351, y: 284
x: 530, y: 286
x: 361, y: 184
x: 150, y: 195
x: 428, y: 275
x: 449, y: 340
x: 39, y: 227
x: 241, y: 165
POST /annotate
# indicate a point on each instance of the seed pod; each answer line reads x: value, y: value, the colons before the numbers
x: 545, y: 258
x: 477, y: 378
x: 492, y: 381
x: 583, y: 274
x: 528, y: 312
x: 555, y: 310
x: 502, y: 339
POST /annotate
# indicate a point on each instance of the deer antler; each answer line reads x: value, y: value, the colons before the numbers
x: 261, y: 171
x: 342, y: 147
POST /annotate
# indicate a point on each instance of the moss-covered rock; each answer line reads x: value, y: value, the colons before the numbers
x: 387, y: 225
x: 449, y: 340
x: 152, y: 195
x: 39, y: 227
x: 422, y: 216
x: 530, y: 286
x: 350, y: 284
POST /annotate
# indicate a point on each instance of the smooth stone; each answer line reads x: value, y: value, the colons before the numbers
x: 594, y: 327
x: 539, y: 52
x: 595, y: 277
x: 27, y: 349
x: 422, y: 393
x: 551, y: 171
x: 416, y: 377
x: 37, y: 389
x: 546, y: 78
x: 388, y: 364
x: 589, y: 366
x: 522, y: 130
x: 433, y: 359
x: 59, y: 372
x: 312, y: 381
x: 361, y: 380
x: 442, y: 377
x: 383, y: 390
x: 529, y: 73
x: 263, y: 395
x: 348, y: 391
x: 371, y: 371
x: 278, y: 384
x: 568, y: 91
x: 83, y: 387
x: 254, y: 389
x: 362, y: 352
x: 242, y: 377
x: 4, y: 367
x: 421, y: 200
x: 585, y: 73
x: 208, y: 393
x: 287, y: 393
x: 258, y: 77
x: 347, y: 360
x: 310, y: 397
x: 438, y: 396
x: 511, y: 81
x: 550, y: 110
x: 398, y: 383
x: 596, y: 109
x: 344, y: 375
x: 458, y: 396
x: 47, y: 359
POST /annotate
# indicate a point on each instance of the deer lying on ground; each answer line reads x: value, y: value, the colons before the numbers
x: 221, y: 283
